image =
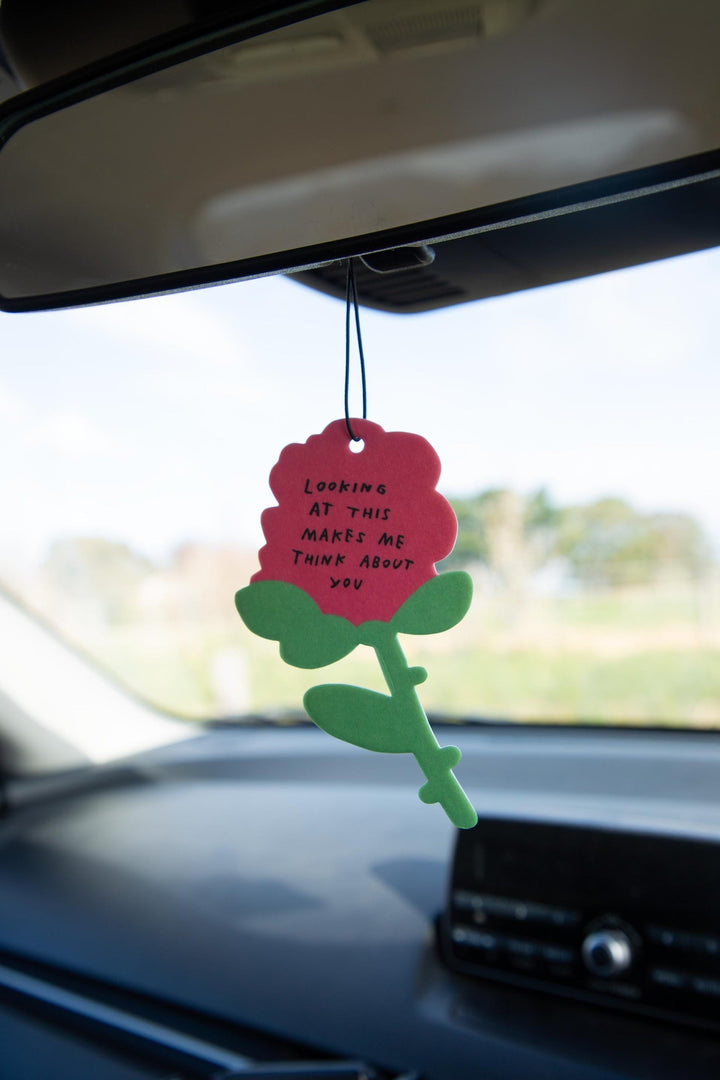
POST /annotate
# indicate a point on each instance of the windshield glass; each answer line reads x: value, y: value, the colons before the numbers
x: 577, y: 426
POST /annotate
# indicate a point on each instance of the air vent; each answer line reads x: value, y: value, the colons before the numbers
x: 417, y: 289
x: 420, y: 29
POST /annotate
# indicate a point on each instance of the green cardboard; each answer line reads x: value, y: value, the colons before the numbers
x: 392, y: 723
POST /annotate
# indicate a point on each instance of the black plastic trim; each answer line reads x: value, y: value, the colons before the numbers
x: 155, y: 54
x: 560, y: 202
x: 160, y: 1037
x: 126, y: 1023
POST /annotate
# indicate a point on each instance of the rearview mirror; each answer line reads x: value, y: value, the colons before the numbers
x: 383, y: 123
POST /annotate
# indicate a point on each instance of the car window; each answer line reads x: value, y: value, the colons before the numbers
x: 578, y: 434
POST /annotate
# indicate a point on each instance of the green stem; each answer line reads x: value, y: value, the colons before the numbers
x: 435, y: 761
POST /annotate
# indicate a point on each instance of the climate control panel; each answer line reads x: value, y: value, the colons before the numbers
x: 613, y: 916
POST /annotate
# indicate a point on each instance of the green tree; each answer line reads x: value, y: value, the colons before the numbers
x: 608, y: 542
x: 604, y: 543
x: 510, y: 534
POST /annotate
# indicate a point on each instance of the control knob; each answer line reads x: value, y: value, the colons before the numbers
x: 607, y: 952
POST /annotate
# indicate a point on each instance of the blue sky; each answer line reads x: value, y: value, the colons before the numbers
x: 157, y: 421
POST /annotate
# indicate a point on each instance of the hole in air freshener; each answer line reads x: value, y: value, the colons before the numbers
x: 349, y: 560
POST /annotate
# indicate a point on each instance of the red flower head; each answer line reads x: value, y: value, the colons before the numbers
x: 359, y: 532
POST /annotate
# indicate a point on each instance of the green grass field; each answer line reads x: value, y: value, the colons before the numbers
x: 638, y: 656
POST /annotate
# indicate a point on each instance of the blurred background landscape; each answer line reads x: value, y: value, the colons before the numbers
x: 590, y: 613
x: 577, y: 429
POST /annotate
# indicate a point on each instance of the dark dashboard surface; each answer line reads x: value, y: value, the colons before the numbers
x: 277, y: 880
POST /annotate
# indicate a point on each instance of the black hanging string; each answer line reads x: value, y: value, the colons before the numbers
x: 351, y: 298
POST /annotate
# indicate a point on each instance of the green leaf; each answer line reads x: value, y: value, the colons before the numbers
x: 436, y: 606
x: 285, y: 613
x: 362, y: 717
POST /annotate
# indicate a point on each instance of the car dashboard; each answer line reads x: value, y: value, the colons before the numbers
x: 263, y: 901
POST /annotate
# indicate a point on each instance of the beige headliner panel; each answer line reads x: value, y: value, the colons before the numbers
x: 381, y: 115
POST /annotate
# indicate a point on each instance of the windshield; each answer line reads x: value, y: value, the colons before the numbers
x: 577, y: 426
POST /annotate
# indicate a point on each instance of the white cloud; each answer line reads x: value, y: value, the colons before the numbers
x: 63, y: 432
x: 70, y: 433
x: 12, y: 409
x: 176, y: 323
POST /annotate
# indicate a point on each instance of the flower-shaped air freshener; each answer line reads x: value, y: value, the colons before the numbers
x: 350, y: 560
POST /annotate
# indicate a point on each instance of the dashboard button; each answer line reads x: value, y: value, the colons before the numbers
x: 706, y: 944
x: 464, y: 900
x: 564, y: 918
x: 503, y: 907
x: 552, y: 916
x: 520, y: 947
x: 474, y: 939
x: 661, y: 935
x: 702, y: 985
x: 697, y: 943
x: 557, y: 954
x: 673, y: 980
